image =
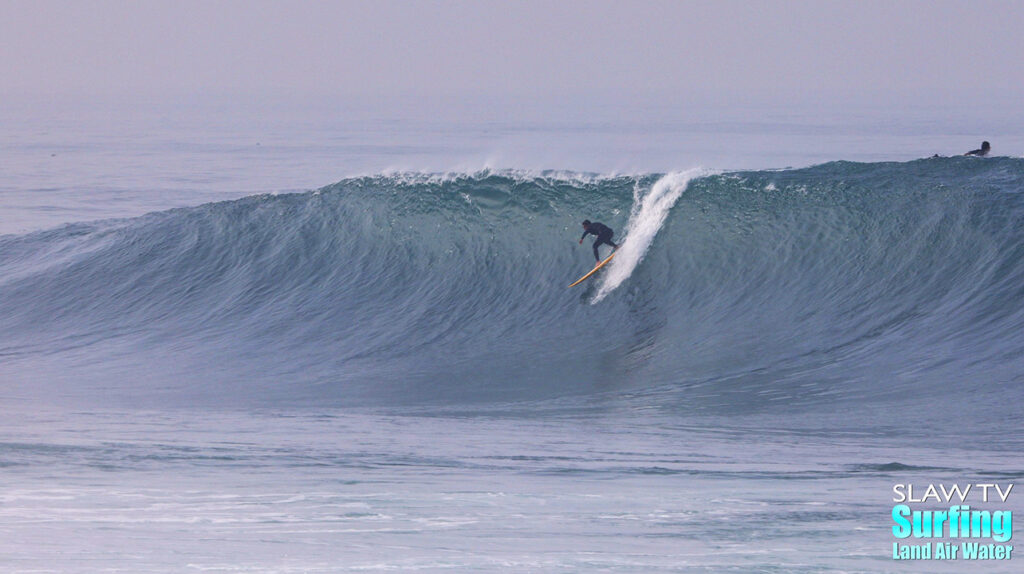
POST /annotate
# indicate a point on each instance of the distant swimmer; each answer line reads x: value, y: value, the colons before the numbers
x: 985, y: 146
x: 603, y: 233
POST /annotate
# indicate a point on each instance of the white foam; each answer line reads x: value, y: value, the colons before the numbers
x: 645, y: 219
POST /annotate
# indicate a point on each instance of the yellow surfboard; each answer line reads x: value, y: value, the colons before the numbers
x: 594, y: 270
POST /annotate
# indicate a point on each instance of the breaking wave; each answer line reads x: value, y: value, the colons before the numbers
x: 747, y: 290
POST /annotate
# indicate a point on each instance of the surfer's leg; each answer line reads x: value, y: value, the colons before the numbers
x: 605, y: 239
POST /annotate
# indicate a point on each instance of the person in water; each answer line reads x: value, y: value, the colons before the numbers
x: 985, y: 146
x: 603, y: 233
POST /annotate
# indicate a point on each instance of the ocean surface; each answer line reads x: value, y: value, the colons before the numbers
x: 339, y: 338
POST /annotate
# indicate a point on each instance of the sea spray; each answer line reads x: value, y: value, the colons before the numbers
x: 647, y: 215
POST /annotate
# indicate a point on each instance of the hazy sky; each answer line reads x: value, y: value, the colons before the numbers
x: 746, y: 51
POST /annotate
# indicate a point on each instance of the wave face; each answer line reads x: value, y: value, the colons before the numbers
x: 737, y: 291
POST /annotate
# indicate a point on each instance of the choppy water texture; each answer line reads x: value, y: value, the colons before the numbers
x: 389, y: 372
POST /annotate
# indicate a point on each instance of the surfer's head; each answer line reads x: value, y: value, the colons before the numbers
x: 586, y: 223
x: 985, y: 146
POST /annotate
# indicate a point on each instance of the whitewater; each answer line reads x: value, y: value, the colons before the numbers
x: 385, y: 372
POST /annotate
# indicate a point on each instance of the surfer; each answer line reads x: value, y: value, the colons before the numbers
x: 985, y: 146
x: 603, y: 233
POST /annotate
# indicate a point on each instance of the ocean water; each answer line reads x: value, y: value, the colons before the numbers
x: 339, y: 338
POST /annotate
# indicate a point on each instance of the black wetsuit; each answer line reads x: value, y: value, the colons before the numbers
x: 985, y: 147
x: 604, y: 237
